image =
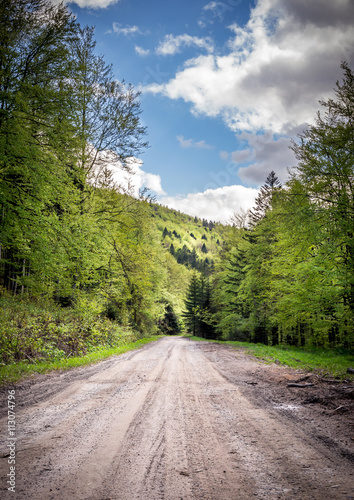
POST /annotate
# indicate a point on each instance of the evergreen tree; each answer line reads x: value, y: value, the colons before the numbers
x: 206, y: 323
x: 193, y: 303
x: 233, y: 310
x: 198, y: 310
x: 264, y: 198
x: 169, y: 325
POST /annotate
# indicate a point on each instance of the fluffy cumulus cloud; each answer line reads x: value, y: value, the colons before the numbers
x: 267, y: 83
x: 131, y: 179
x: 137, y: 179
x: 191, y: 143
x: 173, y: 44
x: 213, y: 204
x: 276, y: 68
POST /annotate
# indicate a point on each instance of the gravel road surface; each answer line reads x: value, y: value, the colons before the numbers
x: 179, y: 420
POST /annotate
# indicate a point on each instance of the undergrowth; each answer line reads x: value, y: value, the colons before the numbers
x: 37, y: 336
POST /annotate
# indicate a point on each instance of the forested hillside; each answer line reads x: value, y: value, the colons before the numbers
x: 193, y: 242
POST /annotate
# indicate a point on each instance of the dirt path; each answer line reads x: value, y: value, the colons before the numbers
x: 177, y: 420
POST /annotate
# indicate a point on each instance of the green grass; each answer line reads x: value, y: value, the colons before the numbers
x: 10, y: 374
x: 327, y: 362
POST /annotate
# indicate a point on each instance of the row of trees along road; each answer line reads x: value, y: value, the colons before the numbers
x: 66, y: 230
x: 286, y: 273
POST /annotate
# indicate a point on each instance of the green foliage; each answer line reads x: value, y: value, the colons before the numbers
x: 185, y: 237
x: 34, y: 332
x: 109, y: 264
x: 197, y: 313
x: 67, y: 232
x: 170, y: 323
x: 264, y: 199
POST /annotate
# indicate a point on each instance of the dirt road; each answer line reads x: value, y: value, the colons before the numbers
x: 177, y: 420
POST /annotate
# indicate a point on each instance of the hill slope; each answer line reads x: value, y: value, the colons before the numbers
x: 193, y: 242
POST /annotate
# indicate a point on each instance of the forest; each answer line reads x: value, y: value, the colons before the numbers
x: 286, y: 271
x: 84, y: 263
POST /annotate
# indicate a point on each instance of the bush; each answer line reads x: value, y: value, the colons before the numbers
x: 32, y: 332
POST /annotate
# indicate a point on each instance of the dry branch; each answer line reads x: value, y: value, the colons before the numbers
x: 300, y: 386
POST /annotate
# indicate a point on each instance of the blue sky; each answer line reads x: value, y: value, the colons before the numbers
x: 225, y: 86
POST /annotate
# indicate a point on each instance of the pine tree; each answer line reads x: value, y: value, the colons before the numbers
x: 264, y: 198
x: 169, y: 325
x: 193, y: 303
x: 206, y: 325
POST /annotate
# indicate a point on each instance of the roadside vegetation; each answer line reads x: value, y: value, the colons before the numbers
x: 33, y: 332
x: 38, y: 336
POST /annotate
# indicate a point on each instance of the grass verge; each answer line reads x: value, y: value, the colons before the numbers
x: 327, y: 362
x: 13, y: 372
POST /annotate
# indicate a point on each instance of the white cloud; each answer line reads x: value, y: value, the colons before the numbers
x: 216, y: 10
x: 269, y: 81
x: 94, y: 4
x: 213, y: 6
x: 213, y: 204
x: 118, y: 29
x: 141, y: 52
x: 138, y: 179
x: 277, y: 68
x: 172, y: 44
x: 191, y: 143
x: 132, y: 178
